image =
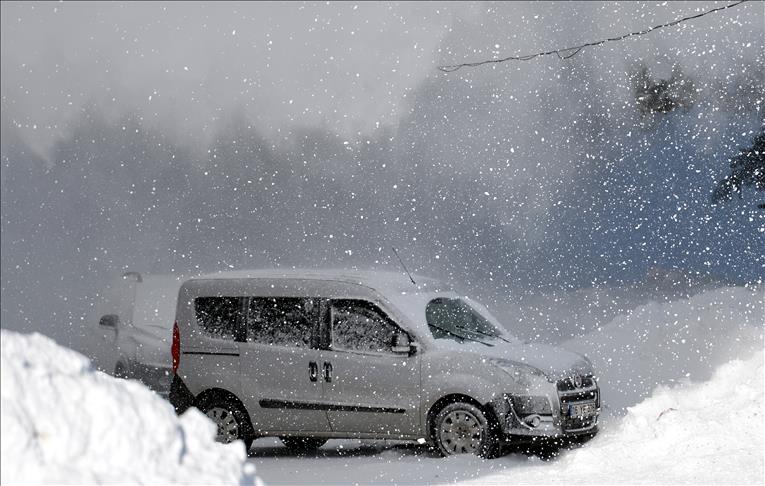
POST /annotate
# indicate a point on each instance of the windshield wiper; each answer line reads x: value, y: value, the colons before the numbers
x: 460, y: 335
x: 483, y: 333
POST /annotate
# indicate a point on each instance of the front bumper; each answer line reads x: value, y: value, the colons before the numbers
x: 555, y: 423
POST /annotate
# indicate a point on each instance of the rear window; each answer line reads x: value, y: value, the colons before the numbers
x: 219, y: 317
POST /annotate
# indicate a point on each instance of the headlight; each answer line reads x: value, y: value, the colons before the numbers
x: 520, y: 373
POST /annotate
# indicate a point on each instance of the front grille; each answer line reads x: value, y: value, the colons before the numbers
x: 582, y: 396
x: 568, y: 394
x: 567, y: 384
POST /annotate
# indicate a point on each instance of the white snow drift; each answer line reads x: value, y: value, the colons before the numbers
x: 64, y: 422
x: 665, y: 343
x: 708, y: 433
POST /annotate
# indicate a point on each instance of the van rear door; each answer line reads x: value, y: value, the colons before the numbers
x: 210, y: 358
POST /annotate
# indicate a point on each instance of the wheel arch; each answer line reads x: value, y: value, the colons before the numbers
x: 455, y: 398
x: 222, y: 394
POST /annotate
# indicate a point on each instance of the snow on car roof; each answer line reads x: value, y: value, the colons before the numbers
x: 382, y: 280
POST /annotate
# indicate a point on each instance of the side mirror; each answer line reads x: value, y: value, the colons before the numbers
x: 110, y: 320
x: 402, y: 344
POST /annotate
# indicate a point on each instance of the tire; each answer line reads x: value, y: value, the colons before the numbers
x: 232, y: 422
x: 301, y: 445
x: 462, y: 428
x: 120, y: 371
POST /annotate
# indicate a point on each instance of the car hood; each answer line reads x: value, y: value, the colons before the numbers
x: 556, y: 363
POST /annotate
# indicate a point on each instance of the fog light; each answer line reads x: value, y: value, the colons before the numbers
x: 529, y: 405
x: 533, y: 421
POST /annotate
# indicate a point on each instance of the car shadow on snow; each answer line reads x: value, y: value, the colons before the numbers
x: 544, y: 450
x: 339, y: 448
x: 342, y: 462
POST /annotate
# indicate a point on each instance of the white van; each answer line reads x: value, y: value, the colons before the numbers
x: 135, y: 324
x: 313, y: 355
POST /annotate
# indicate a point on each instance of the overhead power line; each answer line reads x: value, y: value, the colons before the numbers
x: 570, y: 52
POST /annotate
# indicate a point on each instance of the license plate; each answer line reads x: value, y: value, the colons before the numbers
x: 581, y: 410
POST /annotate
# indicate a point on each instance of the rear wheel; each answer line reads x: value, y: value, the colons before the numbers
x: 462, y: 428
x: 302, y: 445
x: 230, y: 420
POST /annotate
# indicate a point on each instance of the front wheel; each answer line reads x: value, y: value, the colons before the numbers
x: 462, y: 428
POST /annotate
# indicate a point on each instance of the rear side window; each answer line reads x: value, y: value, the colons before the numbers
x: 220, y: 317
x: 358, y: 325
x: 281, y: 321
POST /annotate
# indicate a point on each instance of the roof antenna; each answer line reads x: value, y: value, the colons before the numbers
x: 402, y: 264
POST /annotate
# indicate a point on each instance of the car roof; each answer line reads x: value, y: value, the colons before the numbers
x: 376, y: 279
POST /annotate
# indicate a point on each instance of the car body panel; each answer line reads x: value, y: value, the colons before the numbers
x: 277, y: 390
x: 373, y: 393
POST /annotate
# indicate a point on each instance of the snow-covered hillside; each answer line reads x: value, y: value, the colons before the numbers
x: 64, y: 422
x: 665, y: 343
x: 708, y: 433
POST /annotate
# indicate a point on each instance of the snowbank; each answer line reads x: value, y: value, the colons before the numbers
x: 64, y: 422
x: 708, y: 433
x: 664, y: 343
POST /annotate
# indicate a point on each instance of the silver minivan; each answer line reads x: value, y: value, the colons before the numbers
x: 313, y: 355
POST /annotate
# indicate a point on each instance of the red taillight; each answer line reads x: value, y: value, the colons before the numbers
x: 175, y: 349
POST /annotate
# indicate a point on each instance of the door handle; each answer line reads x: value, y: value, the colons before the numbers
x: 313, y: 371
x: 327, y: 372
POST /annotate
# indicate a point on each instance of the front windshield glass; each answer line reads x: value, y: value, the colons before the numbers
x: 450, y: 318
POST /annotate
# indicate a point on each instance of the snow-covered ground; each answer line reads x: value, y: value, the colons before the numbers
x: 683, y: 381
x: 65, y: 423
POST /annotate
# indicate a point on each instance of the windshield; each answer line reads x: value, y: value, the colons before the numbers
x: 450, y: 318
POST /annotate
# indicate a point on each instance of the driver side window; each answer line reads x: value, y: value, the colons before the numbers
x: 358, y: 325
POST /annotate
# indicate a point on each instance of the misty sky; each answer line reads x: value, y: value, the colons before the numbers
x: 185, y: 65
x: 347, y: 66
x: 185, y: 137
